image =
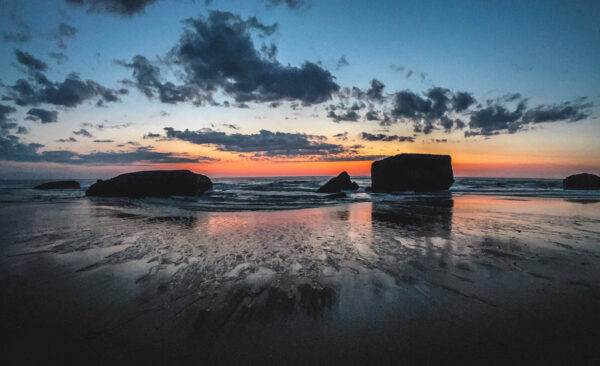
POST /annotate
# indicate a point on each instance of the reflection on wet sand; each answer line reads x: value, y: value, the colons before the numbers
x: 473, y: 278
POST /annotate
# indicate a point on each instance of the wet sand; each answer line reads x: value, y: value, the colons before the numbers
x: 446, y: 280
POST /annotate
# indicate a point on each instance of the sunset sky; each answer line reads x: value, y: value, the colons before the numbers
x: 92, y: 88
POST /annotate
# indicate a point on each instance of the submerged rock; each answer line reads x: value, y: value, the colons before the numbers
x: 582, y: 181
x: 60, y: 184
x: 340, y: 183
x: 412, y: 172
x: 153, y: 183
x: 336, y: 195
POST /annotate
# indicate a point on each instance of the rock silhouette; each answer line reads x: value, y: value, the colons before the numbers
x: 582, y: 181
x: 412, y: 172
x: 154, y: 183
x: 340, y: 183
x: 61, y: 184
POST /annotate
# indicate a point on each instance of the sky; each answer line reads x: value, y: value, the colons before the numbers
x: 94, y: 88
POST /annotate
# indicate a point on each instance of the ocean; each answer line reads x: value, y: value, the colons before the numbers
x: 280, y: 193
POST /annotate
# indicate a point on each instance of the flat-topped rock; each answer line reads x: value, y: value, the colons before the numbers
x: 340, y: 183
x: 59, y: 184
x: 582, y: 181
x: 153, y: 183
x: 412, y: 172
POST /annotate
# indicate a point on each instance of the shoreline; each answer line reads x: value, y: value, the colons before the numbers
x: 474, y: 278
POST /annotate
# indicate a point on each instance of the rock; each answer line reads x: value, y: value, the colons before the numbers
x: 60, y: 184
x: 369, y: 189
x: 582, y: 181
x: 153, y: 183
x: 340, y: 183
x: 336, y: 195
x: 412, y: 172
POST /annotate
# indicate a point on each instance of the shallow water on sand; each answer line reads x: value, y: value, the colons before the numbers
x: 428, y: 280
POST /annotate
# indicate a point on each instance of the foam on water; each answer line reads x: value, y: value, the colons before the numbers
x: 279, y: 193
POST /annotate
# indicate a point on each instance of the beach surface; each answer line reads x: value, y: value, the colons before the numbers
x: 432, y: 280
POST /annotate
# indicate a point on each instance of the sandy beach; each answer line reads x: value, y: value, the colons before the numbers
x: 439, y: 280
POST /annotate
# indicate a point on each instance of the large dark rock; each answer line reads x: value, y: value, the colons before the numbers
x: 340, y: 183
x: 61, y: 184
x: 153, y: 183
x: 412, y: 172
x: 336, y: 195
x: 582, y: 181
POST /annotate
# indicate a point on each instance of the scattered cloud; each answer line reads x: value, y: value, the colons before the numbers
x: 59, y: 57
x: 383, y: 137
x: 119, y: 7
x: 103, y: 141
x: 64, y: 31
x: 263, y: 143
x: 342, y: 62
x: 42, y: 115
x: 21, y: 33
x: 30, y: 62
x: 83, y: 132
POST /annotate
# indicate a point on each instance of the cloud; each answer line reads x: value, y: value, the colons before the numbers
x: 70, y: 139
x: 83, y: 132
x: 69, y: 93
x: 264, y: 143
x: 6, y: 123
x: 11, y: 149
x: 341, y: 136
x: 342, y: 62
x: 151, y: 135
x: 347, y: 115
x: 147, y: 79
x: 292, y: 4
x: 64, y: 31
x: 59, y: 57
x: 42, y: 115
x: 21, y: 34
x: 497, y: 119
x: 120, y: 7
x: 217, y: 53
x: 383, y: 137
x: 103, y: 141
x: 30, y: 62
x: 22, y: 130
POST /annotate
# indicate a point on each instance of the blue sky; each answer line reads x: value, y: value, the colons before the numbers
x: 547, y: 51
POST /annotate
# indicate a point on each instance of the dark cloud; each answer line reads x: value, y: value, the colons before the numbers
x: 375, y: 92
x: 218, y: 53
x: 383, y: 137
x: 59, y: 57
x: 11, y: 149
x: 341, y: 136
x: 347, y: 115
x: 30, y: 62
x: 342, y: 62
x: 64, y: 31
x: 559, y: 112
x: 70, y: 139
x: 69, y: 93
x: 103, y: 141
x: 22, y: 33
x: 147, y: 79
x: 42, y: 115
x: 461, y: 101
x: 264, y: 143
x: 151, y: 135
x: 6, y: 123
x: 83, y: 132
x: 292, y: 4
x: 499, y: 118
x: 120, y: 7
x: 22, y: 130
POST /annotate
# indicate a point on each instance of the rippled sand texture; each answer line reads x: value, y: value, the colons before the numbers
x: 440, y: 281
